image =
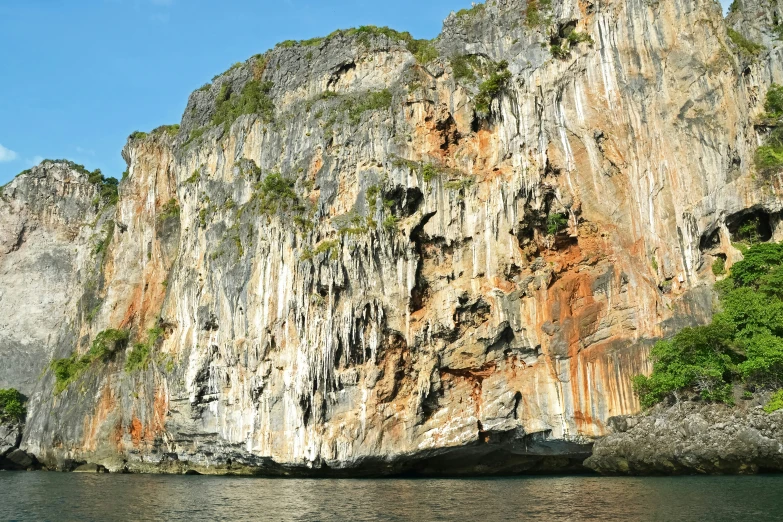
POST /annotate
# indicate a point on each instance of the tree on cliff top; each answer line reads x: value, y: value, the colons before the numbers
x: 743, y: 344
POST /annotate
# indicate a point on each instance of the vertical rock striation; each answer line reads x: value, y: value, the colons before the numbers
x: 369, y: 254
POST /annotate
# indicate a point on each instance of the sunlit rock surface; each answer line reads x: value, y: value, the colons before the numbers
x: 403, y: 304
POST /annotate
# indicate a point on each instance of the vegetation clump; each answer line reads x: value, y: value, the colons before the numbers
x: 139, y: 358
x: 370, y: 101
x: 536, y: 11
x: 12, y: 405
x: 575, y: 37
x: 324, y: 247
x: 555, y: 223
x: 464, y: 67
x: 746, y: 47
x: 775, y: 402
x: 103, y: 348
x: 742, y: 345
x: 423, y: 50
x: 171, y: 130
x: 254, y: 99
x: 719, y: 267
x: 492, y: 87
x: 769, y: 156
x: 169, y: 210
x: 103, y: 245
x: 466, y: 15
x: 276, y: 194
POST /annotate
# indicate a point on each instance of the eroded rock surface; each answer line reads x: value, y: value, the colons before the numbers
x: 438, y: 287
x: 693, y: 437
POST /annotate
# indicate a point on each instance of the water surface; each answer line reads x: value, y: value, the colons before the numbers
x: 61, y: 496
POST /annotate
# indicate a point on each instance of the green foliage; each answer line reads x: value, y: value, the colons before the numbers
x: 194, y: 135
x: 108, y: 188
x: 109, y: 191
x: 169, y: 210
x: 103, y: 348
x: 390, y: 222
x: 125, y: 175
x: 559, y: 51
x: 459, y: 184
x: 372, y: 196
x: 464, y: 67
x: 171, y: 130
x: 775, y: 402
x: 744, y: 342
x: 139, y: 357
x: 719, y: 267
x: 193, y: 177
x: 491, y: 87
x: 774, y: 102
x: 276, y: 194
x: 12, y: 405
x: 769, y: 157
x: 428, y: 171
x: 746, y: 47
x: 137, y: 135
x: 325, y: 247
x: 102, y: 246
x: 423, y: 50
x: 735, y: 6
x: 106, y: 343
x: 535, y: 12
x: 555, y: 223
x: 748, y: 232
x: 701, y: 358
x: 254, y: 99
x: 575, y: 38
x: 465, y: 15
x: 370, y: 101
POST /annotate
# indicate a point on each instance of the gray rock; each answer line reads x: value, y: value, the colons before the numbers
x: 693, y: 438
x: 18, y: 460
x: 307, y: 327
x: 10, y: 437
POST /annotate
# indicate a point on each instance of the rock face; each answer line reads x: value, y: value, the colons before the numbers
x: 396, y: 263
x: 693, y: 437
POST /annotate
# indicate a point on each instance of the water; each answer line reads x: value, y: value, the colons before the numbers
x: 60, y: 496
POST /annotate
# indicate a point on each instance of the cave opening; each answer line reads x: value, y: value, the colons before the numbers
x: 752, y: 226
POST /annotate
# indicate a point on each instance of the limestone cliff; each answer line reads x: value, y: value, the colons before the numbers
x: 371, y: 254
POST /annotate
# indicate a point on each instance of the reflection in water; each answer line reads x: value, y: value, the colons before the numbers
x: 57, y: 496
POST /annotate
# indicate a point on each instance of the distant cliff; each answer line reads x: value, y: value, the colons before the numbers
x: 367, y: 253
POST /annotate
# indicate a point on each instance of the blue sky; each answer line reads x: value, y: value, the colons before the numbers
x: 80, y: 75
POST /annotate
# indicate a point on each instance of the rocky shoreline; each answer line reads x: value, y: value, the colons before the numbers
x: 693, y: 437
x: 689, y: 437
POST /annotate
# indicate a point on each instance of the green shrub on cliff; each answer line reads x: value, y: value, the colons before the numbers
x: 254, y: 99
x: 743, y: 344
x: 775, y: 402
x: 492, y: 87
x: 769, y: 157
x: 103, y: 348
x: 774, y: 102
x: 139, y: 358
x: 12, y: 405
x: 746, y: 47
x: 555, y: 223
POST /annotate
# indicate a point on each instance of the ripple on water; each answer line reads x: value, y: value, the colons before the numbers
x: 59, y: 496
